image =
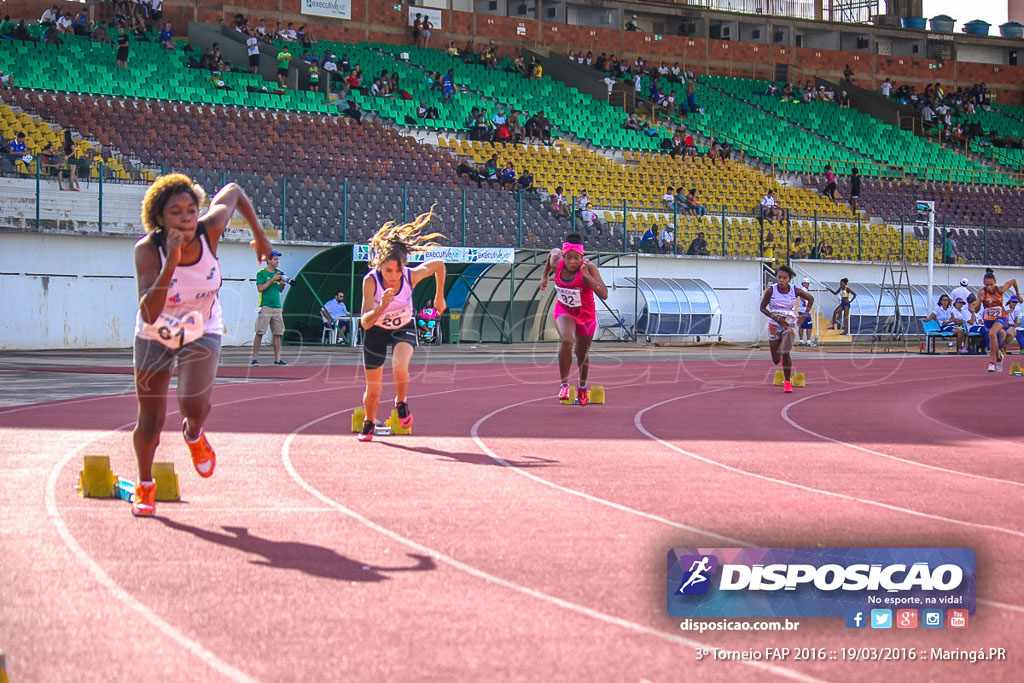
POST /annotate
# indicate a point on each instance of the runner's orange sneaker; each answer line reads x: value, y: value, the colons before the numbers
x: 203, y: 457
x: 144, y: 500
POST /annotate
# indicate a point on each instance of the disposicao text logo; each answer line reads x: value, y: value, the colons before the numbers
x: 817, y: 582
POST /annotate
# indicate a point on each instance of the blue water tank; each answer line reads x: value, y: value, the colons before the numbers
x: 977, y: 27
x: 915, y: 22
x: 943, y: 23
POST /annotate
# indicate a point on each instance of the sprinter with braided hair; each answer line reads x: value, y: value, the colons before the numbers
x: 388, y: 316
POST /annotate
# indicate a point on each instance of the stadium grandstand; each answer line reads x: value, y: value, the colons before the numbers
x: 641, y: 125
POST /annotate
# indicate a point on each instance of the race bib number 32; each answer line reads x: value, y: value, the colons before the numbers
x: 570, y: 298
x: 174, y: 332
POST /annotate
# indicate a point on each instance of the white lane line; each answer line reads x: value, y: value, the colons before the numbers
x: 491, y: 578
x: 638, y: 421
x: 862, y: 449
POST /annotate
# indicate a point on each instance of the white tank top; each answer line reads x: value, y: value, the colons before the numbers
x: 399, y: 312
x: 782, y: 303
x: 193, y: 289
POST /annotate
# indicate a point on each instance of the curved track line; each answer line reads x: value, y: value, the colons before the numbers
x: 946, y: 425
x: 747, y: 544
x: 126, y: 598
x: 638, y: 421
x: 907, y: 461
x: 475, y: 433
x: 491, y: 578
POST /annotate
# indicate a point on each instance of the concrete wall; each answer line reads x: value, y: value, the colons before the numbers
x: 78, y: 291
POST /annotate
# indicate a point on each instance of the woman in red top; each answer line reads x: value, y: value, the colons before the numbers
x: 576, y: 282
x: 990, y: 303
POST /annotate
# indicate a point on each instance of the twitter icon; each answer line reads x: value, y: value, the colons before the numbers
x: 881, y: 618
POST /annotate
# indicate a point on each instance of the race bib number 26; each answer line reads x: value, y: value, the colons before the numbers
x: 174, y: 332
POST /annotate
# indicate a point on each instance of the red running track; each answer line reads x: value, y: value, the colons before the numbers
x: 510, y: 537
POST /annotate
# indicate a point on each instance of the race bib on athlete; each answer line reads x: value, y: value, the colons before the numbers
x: 392, y: 320
x: 571, y: 298
x: 993, y: 313
x: 174, y: 332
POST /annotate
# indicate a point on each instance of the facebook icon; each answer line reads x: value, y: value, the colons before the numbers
x: 856, y: 618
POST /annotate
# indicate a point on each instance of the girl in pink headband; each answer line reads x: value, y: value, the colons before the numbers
x: 576, y: 282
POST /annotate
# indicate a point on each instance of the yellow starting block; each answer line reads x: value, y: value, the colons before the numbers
x: 1016, y: 370
x: 596, y: 395
x: 396, y: 427
x: 358, y: 417
x: 798, y: 379
x: 390, y: 426
x: 96, y: 480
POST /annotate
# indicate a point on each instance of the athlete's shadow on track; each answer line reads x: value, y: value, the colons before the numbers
x: 311, y: 559
x: 472, y: 458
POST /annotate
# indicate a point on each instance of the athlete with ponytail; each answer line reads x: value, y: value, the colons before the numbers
x: 576, y: 282
x: 388, y: 317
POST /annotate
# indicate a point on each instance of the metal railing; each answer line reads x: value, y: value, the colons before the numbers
x: 333, y: 210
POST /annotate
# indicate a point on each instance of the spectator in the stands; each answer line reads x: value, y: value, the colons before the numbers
x: 50, y: 16
x: 508, y: 176
x: 538, y: 127
x: 950, y: 254
x: 669, y: 198
x: 698, y: 247
x: 426, y: 30
x: 525, y: 181
x: 290, y: 34
x: 352, y: 109
x: 632, y: 122
x: 452, y: 51
x: 417, y: 29
x: 799, y: 249
x: 424, y: 113
x: 536, y: 71
x: 714, y: 152
x: 122, y: 49
x: 17, y: 148
x: 787, y: 91
x: 6, y: 80
x: 648, y: 241
x: 631, y: 25
x: 830, y: 183
x: 65, y: 24
x: 847, y: 73
x: 448, y: 86
x: 583, y: 201
x: 691, y: 204
x: 854, y: 188
x: 167, y: 37
x: 843, y: 100
x: 667, y: 238
x: 99, y: 33
x: 284, y: 60
x: 491, y: 170
x: 306, y: 37
x: 887, y: 87
x: 602, y: 63
x: 689, y: 146
x: 559, y: 205
x: 691, y: 96
x: 770, y: 208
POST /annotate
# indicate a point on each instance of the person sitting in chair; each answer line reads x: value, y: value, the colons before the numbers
x: 335, y: 316
x: 427, y: 322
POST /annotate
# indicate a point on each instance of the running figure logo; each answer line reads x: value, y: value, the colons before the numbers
x: 697, y: 578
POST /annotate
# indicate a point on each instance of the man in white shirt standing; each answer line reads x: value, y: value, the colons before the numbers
x: 887, y: 87
x: 962, y: 291
x: 252, y: 46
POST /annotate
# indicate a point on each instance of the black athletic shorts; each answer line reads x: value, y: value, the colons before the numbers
x: 376, y: 341
x: 254, y: 60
